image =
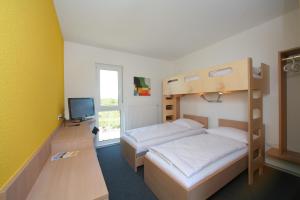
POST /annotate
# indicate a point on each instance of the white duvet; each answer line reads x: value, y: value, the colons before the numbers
x: 155, y: 131
x: 192, y: 154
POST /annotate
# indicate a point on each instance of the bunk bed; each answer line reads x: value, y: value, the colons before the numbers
x: 231, y: 77
x: 134, y: 151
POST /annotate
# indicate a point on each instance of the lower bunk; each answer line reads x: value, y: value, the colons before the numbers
x: 165, y: 187
x: 134, y: 152
x: 195, y: 168
x: 129, y: 152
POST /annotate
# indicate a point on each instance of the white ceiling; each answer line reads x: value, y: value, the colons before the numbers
x: 165, y: 29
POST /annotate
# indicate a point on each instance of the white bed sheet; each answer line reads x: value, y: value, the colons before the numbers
x: 147, y: 133
x: 192, y: 154
x: 144, y: 146
x: 189, y: 182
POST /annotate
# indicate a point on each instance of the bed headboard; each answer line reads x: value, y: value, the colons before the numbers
x: 234, y: 124
x: 201, y: 119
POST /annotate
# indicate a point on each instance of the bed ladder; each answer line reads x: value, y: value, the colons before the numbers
x: 171, y: 108
x: 256, y: 140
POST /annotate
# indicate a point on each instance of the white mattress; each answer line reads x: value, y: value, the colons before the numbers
x: 189, y: 182
x: 192, y: 154
x: 155, y: 131
x: 141, y: 147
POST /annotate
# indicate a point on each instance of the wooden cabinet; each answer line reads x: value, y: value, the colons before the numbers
x: 283, y: 152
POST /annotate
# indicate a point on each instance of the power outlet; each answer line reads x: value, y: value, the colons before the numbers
x: 60, y: 117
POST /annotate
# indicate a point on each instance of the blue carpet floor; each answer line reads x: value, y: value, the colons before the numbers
x: 124, y: 184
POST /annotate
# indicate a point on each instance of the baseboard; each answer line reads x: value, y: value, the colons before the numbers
x: 19, y: 187
x: 107, y: 145
x: 284, y: 166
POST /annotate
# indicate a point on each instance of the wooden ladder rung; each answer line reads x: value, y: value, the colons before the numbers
x: 258, y: 162
x: 257, y: 104
x: 257, y: 143
x: 169, y: 112
x: 169, y: 101
x: 257, y: 84
x: 257, y: 124
x: 169, y: 104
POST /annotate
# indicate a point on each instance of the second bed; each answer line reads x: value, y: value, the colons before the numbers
x: 135, y: 148
x: 195, y: 167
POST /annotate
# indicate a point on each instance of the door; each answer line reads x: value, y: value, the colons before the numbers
x: 109, y: 105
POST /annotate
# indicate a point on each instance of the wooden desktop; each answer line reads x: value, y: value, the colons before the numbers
x: 79, y: 177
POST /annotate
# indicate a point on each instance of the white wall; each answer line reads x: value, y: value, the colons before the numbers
x: 80, y: 80
x: 262, y: 43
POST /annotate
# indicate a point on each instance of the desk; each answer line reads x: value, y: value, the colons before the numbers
x: 75, y: 178
x: 72, y: 138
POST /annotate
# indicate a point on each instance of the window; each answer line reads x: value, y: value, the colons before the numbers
x: 109, y: 107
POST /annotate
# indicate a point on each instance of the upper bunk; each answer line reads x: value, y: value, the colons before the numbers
x: 230, y: 77
x: 234, y: 76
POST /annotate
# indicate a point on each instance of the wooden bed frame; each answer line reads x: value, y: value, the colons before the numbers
x: 136, y: 160
x: 167, y: 188
x: 238, y: 77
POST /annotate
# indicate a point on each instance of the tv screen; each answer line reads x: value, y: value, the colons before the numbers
x: 81, y: 108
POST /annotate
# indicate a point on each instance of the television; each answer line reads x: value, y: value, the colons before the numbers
x: 81, y: 108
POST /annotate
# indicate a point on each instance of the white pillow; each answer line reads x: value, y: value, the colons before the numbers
x: 188, y: 123
x: 233, y: 133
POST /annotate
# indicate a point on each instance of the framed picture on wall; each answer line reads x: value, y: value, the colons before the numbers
x: 142, y: 86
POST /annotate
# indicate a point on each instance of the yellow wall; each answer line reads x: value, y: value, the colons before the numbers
x: 31, y: 80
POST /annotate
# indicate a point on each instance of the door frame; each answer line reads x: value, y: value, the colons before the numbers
x: 282, y: 89
x: 120, y: 107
